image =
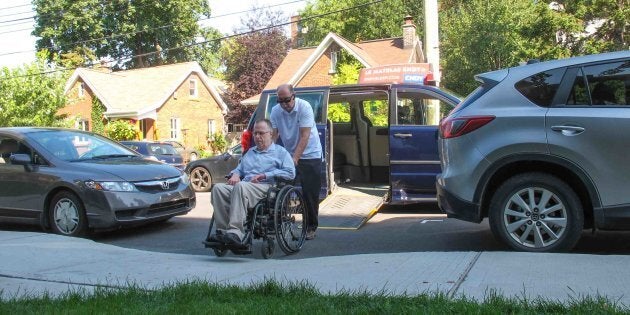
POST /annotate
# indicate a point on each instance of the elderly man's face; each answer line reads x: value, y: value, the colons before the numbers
x: 262, y: 135
x: 286, y: 99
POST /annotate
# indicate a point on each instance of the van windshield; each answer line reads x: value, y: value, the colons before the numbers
x: 315, y: 98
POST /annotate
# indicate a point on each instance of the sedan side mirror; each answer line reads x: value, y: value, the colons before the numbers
x: 22, y: 159
x: 226, y: 156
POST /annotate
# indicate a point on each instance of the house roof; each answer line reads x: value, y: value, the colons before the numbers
x: 371, y: 53
x: 140, y: 91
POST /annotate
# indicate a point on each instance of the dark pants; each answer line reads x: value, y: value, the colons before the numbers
x: 309, y: 176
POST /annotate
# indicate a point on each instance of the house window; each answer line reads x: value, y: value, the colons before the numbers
x: 211, y: 127
x: 81, y: 89
x: 175, y: 128
x: 193, y: 88
x: 84, y: 125
x: 333, y: 62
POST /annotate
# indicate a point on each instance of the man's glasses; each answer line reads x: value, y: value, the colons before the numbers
x: 285, y: 100
x: 260, y: 133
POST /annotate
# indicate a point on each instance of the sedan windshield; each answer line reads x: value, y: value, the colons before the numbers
x: 71, y: 145
x: 162, y: 149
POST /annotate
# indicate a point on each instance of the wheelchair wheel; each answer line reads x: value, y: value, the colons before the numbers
x: 290, y: 219
x: 268, y: 248
x: 220, y: 252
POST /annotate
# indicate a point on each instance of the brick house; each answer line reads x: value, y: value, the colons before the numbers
x: 169, y: 102
x: 316, y: 66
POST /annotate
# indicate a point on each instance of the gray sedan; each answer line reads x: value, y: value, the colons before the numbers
x: 73, y: 181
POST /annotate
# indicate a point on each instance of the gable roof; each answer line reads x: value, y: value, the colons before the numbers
x: 371, y: 53
x: 140, y: 91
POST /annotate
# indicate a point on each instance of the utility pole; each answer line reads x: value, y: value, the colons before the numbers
x: 431, y: 38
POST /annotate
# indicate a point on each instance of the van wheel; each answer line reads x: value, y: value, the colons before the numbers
x: 67, y: 215
x: 536, y: 212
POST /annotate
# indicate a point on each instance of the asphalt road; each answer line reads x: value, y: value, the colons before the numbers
x: 393, y: 229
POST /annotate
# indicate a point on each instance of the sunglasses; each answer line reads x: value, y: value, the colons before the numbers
x: 286, y: 100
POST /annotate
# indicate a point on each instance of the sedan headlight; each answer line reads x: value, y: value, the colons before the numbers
x: 111, y: 186
x: 185, y: 179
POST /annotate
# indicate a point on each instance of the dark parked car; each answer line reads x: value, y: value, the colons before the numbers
x: 541, y: 151
x: 203, y: 171
x: 189, y: 154
x: 72, y: 181
x: 160, y: 151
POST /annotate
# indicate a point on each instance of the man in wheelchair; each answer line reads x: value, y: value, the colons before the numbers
x: 258, y: 169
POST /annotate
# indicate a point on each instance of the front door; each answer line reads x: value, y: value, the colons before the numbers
x: 21, y: 192
x: 415, y: 114
x: 591, y: 127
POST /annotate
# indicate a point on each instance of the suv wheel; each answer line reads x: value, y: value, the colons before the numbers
x: 536, y: 212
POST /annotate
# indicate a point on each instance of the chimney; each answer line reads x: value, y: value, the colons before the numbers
x: 295, y: 30
x: 409, y: 32
x: 104, y: 66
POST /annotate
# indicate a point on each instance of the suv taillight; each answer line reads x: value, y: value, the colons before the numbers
x: 455, y: 127
x: 246, y: 140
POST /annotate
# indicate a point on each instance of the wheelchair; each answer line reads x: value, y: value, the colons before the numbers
x: 278, y: 217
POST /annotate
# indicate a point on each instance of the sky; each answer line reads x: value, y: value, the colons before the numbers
x: 15, y: 36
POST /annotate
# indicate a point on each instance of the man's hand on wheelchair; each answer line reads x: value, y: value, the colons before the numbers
x: 235, y: 178
x: 258, y: 178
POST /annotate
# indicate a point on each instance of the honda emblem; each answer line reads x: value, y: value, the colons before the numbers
x: 165, y: 185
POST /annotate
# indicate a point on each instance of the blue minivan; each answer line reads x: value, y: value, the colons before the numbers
x: 380, y: 139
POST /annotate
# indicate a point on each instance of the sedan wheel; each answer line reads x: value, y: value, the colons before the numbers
x: 67, y: 216
x: 536, y: 212
x: 200, y: 179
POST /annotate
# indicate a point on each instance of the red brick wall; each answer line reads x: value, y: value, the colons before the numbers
x: 318, y: 74
x: 193, y: 112
x: 79, y: 107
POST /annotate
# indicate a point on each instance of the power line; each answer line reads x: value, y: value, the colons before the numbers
x: 15, y: 6
x: 120, y: 59
x: 148, y: 30
x: 63, y: 11
x: 18, y: 13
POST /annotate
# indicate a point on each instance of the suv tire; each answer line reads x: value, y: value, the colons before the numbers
x: 536, y: 212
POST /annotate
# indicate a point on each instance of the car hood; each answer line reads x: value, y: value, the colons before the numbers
x: 132, y: 170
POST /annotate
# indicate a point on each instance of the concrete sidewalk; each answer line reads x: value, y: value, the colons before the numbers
x: 34, y: 263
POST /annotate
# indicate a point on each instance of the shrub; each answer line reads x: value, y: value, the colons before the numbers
x: 217, y: 143
x: 120, y: 130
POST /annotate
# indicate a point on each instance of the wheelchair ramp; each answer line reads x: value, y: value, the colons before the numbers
x: 349, y: 207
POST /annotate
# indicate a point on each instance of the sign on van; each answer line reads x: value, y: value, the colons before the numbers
x: 399, y: 73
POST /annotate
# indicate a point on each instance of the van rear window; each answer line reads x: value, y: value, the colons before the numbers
x: 313, y: 98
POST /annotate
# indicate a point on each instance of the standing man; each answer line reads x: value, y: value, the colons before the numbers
x: 294, y: 122
x: 259, y: 168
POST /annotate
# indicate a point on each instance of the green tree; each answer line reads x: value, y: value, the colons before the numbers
x: 28, y: 98
x: 479, y: 36
x: 379, y: 20
x: 609, y: 18
x: 94, y: 29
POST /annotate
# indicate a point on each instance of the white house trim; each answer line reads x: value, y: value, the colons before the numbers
x: 321, y: 49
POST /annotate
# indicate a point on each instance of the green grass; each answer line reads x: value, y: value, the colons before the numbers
x: 271, y: 297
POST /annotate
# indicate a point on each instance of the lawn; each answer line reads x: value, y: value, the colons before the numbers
x: 271, y: 297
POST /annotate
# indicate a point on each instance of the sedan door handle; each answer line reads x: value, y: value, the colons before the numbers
x: 568, y: 130
x: 402, y: 135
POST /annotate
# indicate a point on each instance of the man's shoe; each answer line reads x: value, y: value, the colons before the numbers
x: 232, y: 239
x: 310, y: 235
x: 216, y: 238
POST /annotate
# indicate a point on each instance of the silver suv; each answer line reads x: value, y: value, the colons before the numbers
x: 542, y: 151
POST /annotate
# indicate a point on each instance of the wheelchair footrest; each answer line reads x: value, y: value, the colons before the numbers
x: 243, y: 249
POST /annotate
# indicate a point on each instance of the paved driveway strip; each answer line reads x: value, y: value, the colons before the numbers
x: 33, y: 262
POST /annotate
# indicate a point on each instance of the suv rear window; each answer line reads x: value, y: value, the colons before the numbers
x: 541, y: 87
